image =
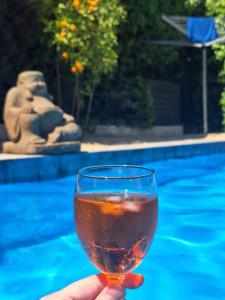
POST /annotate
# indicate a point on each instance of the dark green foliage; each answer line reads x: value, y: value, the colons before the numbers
x: 123, y: 99
x: 144, y: 23
x: 127, y: 102
x: 21, y: 49
x: 138, y: 62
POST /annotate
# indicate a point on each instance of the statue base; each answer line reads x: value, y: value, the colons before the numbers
x: 57, y: 148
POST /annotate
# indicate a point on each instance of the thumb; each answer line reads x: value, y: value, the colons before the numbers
x: 111, y: 293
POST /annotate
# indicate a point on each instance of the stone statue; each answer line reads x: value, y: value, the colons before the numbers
x: 33, y: 122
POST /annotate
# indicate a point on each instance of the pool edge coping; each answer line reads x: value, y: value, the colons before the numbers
x: 33, y: 168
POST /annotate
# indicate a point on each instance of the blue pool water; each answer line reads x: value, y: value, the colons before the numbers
x: 40, y: 252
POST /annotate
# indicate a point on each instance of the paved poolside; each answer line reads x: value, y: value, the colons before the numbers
x: 96, y: 144
x: 104, y: 144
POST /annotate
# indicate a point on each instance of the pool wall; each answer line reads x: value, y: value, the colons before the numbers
x: 54, y: 166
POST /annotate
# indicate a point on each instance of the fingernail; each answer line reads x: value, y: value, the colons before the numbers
x: 115, y: 292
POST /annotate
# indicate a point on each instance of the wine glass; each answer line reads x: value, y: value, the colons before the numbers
x: 116, y: 210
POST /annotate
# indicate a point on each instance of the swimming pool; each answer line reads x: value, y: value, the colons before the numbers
x: 40, y: 251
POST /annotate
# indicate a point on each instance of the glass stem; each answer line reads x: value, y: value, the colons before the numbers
x: 115, y: 279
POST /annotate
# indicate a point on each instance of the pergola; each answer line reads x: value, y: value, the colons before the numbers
x: 180, y: 24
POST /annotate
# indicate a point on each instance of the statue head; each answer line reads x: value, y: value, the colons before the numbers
x: 33, y: 81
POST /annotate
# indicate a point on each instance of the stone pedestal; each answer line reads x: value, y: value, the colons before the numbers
x: 57, y: 148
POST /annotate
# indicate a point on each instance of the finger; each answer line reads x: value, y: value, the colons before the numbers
x: 84, y: 289
x: 87, y: 288
x: 112, y: 293
x: 54, y: 296
x: 95, y: 285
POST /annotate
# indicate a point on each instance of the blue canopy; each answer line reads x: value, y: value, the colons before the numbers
x: 201, y: 29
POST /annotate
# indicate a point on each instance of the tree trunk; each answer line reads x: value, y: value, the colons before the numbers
x: 87, y: 119
x: 76, y: 99
x: 58, y: 80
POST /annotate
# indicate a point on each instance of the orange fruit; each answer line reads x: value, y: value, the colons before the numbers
x: 63, y: 23
x: 79, y: 66
x: 73, y: 27
x: 65, y: 55
x: 73, y: 69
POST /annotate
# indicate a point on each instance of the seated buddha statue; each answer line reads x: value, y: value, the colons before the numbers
x: 31, y: 117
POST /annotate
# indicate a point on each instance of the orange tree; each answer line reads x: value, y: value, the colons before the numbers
x: 85, y: 36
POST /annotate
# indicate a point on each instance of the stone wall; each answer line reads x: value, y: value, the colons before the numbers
x: 123, y: 131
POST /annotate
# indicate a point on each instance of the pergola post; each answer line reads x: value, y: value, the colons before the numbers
x: 204, y: 90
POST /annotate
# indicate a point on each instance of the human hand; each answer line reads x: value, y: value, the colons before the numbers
x: 27, y: 109
x: 97, y: 287
x: 68, y: 118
